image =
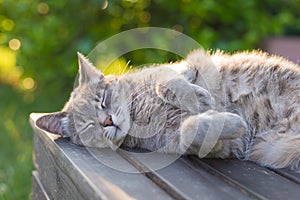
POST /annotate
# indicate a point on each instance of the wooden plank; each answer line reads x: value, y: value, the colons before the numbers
x: 181, y: 178
x: 71, y: 172
x: 38, y: 191
x: 289, y: 174
x: 55, y: 180
x: 252, y: 178
x: 68, y: 171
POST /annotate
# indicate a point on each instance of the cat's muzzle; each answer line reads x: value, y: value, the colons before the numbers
x: 108, y: 121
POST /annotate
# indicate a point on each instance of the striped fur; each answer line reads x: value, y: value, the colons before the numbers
x: 245, y: 105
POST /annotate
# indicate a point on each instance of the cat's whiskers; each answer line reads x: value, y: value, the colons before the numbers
x: 125, y: 69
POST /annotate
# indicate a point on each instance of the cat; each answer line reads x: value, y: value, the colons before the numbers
x: 245, y: 105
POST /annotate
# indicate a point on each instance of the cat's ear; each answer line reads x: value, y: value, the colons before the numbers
x: 87, y: 71
x: 53, y: 123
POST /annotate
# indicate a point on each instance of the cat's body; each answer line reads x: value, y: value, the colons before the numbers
x: 245, y: 105
x: 265, y: 91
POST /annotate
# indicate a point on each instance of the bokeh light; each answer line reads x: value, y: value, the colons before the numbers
x: 145, y: 17
x: 14, y: 44
x: 104, y: 5
x: 28, y: 83
x: 43, y: 8
x: 7, y: 24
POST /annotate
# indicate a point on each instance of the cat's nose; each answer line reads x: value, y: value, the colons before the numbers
x: 108, y: 121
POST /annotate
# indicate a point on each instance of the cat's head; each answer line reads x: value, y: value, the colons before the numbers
x: 90, y: 117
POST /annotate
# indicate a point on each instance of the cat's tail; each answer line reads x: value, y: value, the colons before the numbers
x: 277, y: 150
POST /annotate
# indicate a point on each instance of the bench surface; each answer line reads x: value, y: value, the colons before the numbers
x: 67, y: 171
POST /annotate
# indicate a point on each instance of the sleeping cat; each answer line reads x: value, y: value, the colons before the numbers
x: 245, y: 105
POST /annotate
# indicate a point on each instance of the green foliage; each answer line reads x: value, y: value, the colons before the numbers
x: 39, y: 41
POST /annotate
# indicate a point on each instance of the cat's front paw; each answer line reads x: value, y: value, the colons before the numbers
x: 184, y: 95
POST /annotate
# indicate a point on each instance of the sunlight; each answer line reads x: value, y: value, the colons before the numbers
x: 117, y: 67
x: 14, y: 44
x: 9, y: 73
x: 28, y: 83
x: 104, y: 5
x: 7, y: 59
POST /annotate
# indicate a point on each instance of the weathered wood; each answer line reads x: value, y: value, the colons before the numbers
x: 38, y: 191
x: 68, y: 171
x: 258, y: 181
x: 54, y: 175
x: 181, y: 178
x: 289, y: 174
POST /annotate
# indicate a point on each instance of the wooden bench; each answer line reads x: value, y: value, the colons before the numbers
x: 67, y: 171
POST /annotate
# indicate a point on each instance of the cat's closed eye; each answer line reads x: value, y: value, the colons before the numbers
x: 98, y: 99
x: 103, y: 106
x: 106, y: 99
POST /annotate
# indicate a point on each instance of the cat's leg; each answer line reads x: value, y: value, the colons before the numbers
x: 203, y: 133
x: 278, y: 148
x: 182, y: 94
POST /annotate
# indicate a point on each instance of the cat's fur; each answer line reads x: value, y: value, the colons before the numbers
x: 245, y: 105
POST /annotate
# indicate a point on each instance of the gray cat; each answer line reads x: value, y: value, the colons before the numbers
x: 245, y: 105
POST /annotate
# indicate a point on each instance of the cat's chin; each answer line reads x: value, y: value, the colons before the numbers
x: 114, y: 136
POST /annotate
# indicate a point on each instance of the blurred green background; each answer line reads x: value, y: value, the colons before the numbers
x: 39, y: 41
